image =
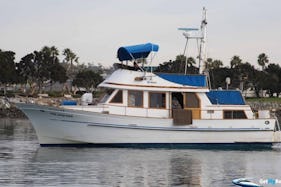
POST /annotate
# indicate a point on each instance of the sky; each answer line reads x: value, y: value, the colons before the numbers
x: 95, y: 29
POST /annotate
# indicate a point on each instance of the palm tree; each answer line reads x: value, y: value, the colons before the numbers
x: 235, y: 61
x: 190, y: 61
x: 69, y: 58
x: 50, y: 60
x: 209, y: 63
x: 50, y: 51
x: 263, y: 60
x: 217, y: 64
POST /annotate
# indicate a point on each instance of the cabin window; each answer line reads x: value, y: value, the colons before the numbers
x: 210, y: 111
x: 104, y: 97
x: 157, y: 100
x: 135, y: 98
x: 234, y: 114
x: 191, y: 100
x: 118, y: 98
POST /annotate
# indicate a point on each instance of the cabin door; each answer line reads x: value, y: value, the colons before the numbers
x: 180, y: 115
x: 192, y: 103
x: 177, y: 100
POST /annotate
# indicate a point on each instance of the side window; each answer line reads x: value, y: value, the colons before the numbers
x: 135, y: 98
x: 191, y: 100
x: 234, y: 114
x: 106, y: 95
x: 157, y: 100
x: 118, y: 98
x: 239, y: 114
x: 227, y: 114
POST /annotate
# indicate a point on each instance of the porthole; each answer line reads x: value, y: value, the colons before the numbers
x: 266, y: 122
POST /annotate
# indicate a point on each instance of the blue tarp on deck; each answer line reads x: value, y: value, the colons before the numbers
x: 136, y: 51
x: 226, y: 97
x: 190, y: 80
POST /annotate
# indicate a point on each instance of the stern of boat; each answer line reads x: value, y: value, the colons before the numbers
x: 277, y: 134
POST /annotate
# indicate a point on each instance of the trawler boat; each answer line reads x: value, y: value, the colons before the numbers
x: 145, y: 108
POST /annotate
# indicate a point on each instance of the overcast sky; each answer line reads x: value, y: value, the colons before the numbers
x: 94, y: 29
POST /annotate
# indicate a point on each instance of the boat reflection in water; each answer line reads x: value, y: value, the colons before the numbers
x: 157, y: 167
x: 129, y: 167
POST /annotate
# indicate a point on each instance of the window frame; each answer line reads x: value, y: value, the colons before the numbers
x: 232, y: 112
x: 117, y: 92
x: 186, y: 99
x: 142, y: 104
x: 149, y: 100
x: 104, y: 98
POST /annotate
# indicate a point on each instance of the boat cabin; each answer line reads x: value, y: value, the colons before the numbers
x: 162, y: 96
x: 184, y: 98
x: 131, y: 91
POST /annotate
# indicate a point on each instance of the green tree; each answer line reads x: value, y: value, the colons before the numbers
x: 217, y: 64
x: 208, y: 63
x: 58, y: 73
x: 41, y: 66
x: 87, y: 79
x: 213, y: 64
x: 27, y: 70
x: 218, y: 76
x: 273, y: 79
x: 50, y: 52
x: 69, y: 58
x: 182, y: 59
x: 41, y: 73
x: 263, y: 60
x: 235, y: 61
x: 178, y: 66
x: 7, y: 70
x: 259, y: 81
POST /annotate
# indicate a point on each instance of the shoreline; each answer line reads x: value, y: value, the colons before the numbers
x: 12, y: 112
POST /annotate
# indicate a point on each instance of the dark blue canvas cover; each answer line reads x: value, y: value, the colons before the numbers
x: 136, y: 51
x: 190, y: 80
x: 226, y: 97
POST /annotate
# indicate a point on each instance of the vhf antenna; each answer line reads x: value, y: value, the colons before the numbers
x: 201, y: 37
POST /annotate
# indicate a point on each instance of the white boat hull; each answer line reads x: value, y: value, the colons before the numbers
x: 60, y: 126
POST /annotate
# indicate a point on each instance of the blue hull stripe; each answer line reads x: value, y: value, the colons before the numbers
x: 206, y: 146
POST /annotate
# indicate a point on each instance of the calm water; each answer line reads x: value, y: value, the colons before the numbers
x: 24, y: 163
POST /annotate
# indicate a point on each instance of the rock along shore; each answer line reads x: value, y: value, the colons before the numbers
x: 12, y: 112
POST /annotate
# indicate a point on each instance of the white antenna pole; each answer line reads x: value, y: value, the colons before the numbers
x: 202, y: 50
x: 185, y: 69
x: 187, y: 36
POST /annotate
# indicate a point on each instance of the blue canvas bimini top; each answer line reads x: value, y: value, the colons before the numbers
x: 226, y: 97
x: 136, y: 51
x: 189, y: 80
